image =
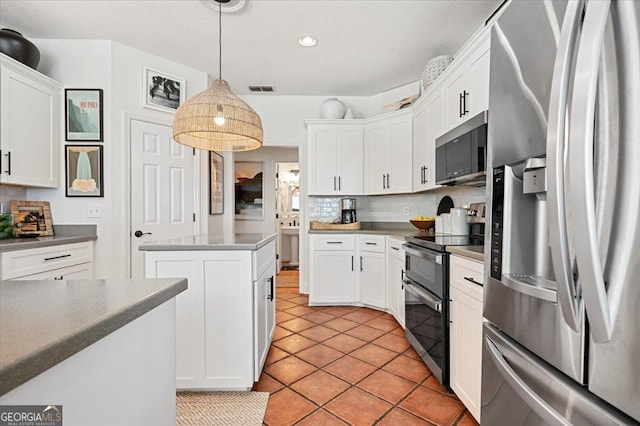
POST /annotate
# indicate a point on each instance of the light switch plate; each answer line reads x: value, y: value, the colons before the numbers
x: 94, y: 210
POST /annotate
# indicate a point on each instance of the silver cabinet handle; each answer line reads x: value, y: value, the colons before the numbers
x: 339, y: 183
x: 532, y: 399
x: 334, y: 183
x: 558, y: 238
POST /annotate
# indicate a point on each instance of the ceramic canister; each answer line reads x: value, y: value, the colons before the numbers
x: 459, y: 225
x: 446, y: 223
x: 438, y: 224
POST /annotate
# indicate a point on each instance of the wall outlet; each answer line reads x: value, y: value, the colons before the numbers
x: 406, y: 211
x: 94, y: 210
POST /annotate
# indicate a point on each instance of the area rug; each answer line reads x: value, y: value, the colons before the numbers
x: 221, y: 408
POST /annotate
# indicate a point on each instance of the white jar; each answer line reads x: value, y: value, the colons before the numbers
x: 333, y: 109
x: 446, y: 223
x: 459, y: 225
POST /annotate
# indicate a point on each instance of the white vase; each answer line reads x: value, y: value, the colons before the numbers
x: 332, y: 108
x: 349, y: 114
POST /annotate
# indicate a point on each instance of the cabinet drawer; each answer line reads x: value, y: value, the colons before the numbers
x: 374, y: 243
x: 463, y: 271
x: 333, y: 242
x: 76, y: 272
x: 265, y: 256
x: 394, y: 248
x: 20, y: 263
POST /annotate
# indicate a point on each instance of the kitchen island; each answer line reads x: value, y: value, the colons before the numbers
x: 225, y: 321
x: 103, y: 349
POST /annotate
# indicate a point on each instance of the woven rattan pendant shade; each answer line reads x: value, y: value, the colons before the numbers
x: 195, y: 121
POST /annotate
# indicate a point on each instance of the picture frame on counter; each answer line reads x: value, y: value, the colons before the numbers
x: 84, y: 171
x: 31, y: 218
x: 83, y: 115
x: 162, y: 91
x: 216, y: 183
x: 249, y: 190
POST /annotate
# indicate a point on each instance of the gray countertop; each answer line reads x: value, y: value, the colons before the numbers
x: 211, y: 242
x: 472, y: 252
x: 42, y: 323
x: 63, y: 234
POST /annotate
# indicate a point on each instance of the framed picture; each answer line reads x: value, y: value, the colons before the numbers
x: 216, y: 183
x: 83, y: 115
x: 83, y: 170
x: 162, y: 91
x: 31, y: 218
x: 249, y: 190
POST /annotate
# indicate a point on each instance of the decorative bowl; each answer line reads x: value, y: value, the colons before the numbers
x: 423, y: 225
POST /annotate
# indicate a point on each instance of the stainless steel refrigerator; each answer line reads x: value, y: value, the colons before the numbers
x: 561, y: 344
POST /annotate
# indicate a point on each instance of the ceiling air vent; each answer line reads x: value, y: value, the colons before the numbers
x: 261, y: 88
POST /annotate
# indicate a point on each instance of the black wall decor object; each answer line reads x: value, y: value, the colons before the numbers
x: 19, y: 48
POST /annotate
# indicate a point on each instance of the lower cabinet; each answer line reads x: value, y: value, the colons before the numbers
x: 264, y: 316
x: 395, y: 274
x: 466, y: 332
x: 60, y: 262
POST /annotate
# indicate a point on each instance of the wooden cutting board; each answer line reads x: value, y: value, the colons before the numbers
x: 335, y: 226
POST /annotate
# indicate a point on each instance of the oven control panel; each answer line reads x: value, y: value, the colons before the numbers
x: 497, y: 211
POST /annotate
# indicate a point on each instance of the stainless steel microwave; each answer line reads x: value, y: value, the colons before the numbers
x: 461, y: 154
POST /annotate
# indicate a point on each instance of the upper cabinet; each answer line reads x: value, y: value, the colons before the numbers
x: 466, y: 85
x: 387, y: 154
x: 428, y: 124
x: 334, y: 158
x: 29, y: 126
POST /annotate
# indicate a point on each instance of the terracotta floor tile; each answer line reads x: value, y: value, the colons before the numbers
x: 298, y: 324
x: 338, y: 310
x: 398, y: 416
x: 321, y: 418
x: 281, y: 305
x: 283, y: 316
x: 411, y: 353
x: 384, y: 324
x: 299, y: 310
x: 358, y: 316
x: 294, y: 343
x: 392, y: 342
x: 387, y: 386
x: 318, y: 317
x: 341, y: 324
x: 280, y: 332
x: 433, y: 384
x: 320, y: 387
x: 286, y: 296
x: 433, y: 406
x: 357, y: 407
x: 398, y: 331
x: 374, y: 355
x: 372, y: 312
x: 467, y: 420
x: 319, y: 355
x: 286, y: 407
x: 350, y: 369
x: 365, y: 333
x: 300, y: 300
x: 409, y: 368
x: 344, y: 343
x: 267, y: 384
x: 275, y: 354
x: 318, y: 333
x: 289, y: 370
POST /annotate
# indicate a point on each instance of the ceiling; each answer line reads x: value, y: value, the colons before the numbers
x: 364, y: 46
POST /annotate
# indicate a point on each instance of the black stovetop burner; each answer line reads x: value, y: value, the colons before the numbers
x: 440, y: 242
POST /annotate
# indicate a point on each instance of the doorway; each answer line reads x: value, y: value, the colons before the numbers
x: 288, y: 222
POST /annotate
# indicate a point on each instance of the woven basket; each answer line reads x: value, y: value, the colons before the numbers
x: 434, y: 68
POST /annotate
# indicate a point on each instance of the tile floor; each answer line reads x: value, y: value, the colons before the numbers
x: 338, y: 365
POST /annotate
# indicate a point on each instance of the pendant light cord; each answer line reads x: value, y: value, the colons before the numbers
x: 220, y: 39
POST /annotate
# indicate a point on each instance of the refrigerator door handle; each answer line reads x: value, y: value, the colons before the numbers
x: 532, y: 399
x: 558, y: 237
x: 600, y: 310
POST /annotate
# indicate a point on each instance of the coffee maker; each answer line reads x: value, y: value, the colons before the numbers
x: 348, y: 210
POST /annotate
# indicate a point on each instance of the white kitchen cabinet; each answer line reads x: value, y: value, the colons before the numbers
x: 65, y: 261
x: 222, y: 316
x: 395, y: 275
x: 387, y: 154
x: 334, y: 158
x: 333, y: 269
x: 466, y: 85
x: 372, y: 270
x: 29, y: 126
x: 428, y: 124
x: 466, y: 331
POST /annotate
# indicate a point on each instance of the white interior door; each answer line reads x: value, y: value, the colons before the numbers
x: 162, y: 189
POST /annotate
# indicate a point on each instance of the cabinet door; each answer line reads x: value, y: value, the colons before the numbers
x: 466, y: 349
x: 455, y: 87
x: 372, y: 277
x: 400, y: 159
x: 420, y: 149
x: 30, y: 132
x: 478, y: 78
x: 333, y: 277
x: 394, y: 282
x: 263, y: 317
x: 350, y: 158
x: 322, y: 150
x: 435, y: 129
x: 377, y: 152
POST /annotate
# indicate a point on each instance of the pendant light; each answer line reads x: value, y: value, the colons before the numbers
x: 216, y: 119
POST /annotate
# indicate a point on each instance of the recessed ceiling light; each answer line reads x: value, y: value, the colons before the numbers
x: 307, y: 41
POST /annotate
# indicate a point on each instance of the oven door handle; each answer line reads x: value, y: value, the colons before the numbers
x: 425, y: 254
x: 424, y: 297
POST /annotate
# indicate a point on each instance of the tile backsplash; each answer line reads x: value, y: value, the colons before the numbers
x: 390, y: 208
x: 8, y: 193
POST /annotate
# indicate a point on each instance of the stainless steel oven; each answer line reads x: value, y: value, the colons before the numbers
x: 426, y: 307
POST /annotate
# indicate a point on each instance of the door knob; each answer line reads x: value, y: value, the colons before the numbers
x: 140, y: 233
